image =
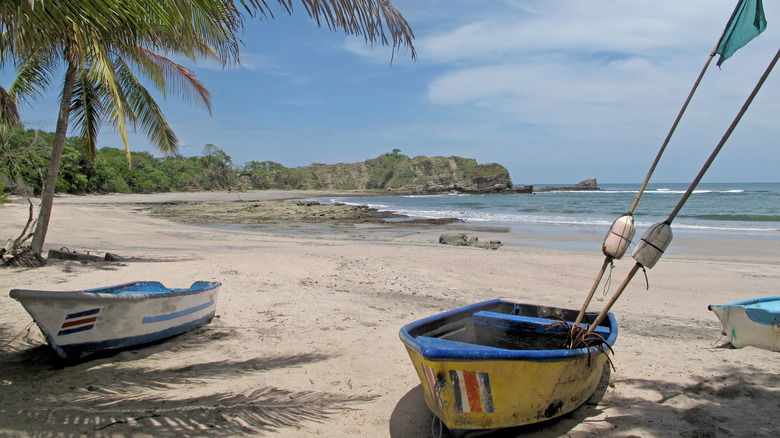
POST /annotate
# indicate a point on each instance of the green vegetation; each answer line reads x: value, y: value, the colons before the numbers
x: 24, y: 161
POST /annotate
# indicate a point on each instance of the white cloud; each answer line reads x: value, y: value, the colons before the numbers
x: 598, y: 69
x: 577, y: 26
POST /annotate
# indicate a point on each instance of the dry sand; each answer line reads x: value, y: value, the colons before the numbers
x: 306, y: 338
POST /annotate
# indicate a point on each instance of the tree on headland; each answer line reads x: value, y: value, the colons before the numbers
x: 103, y: 45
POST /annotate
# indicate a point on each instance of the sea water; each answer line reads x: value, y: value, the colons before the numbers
x: 714, y: 209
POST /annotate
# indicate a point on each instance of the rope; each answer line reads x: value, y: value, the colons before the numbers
x: 438, y: 388
x: 608, y: 283
x: 433, y: 426
x: 26, y: 328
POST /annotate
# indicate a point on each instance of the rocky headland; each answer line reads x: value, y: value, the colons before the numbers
x: 391, y: 172
x: 395, y: 173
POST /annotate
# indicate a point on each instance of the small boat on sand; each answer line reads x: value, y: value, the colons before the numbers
x: 498, y: 364
x: 79, y: 323
x: 751, y: 323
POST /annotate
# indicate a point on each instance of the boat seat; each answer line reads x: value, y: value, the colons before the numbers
x: 446, y: 344
x: 524, y: 323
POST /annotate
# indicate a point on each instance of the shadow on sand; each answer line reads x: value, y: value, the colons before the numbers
x: 730, y: 403
x: 131, y: 392
x: 412, y: 417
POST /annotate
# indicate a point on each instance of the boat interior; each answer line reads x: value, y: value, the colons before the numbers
x: 503, y: 325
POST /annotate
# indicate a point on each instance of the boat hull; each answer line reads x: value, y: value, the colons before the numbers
x: 478, y: 382
x: 78, y: 323
x: 751, y: 323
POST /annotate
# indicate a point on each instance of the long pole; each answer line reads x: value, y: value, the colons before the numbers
x: 609, y: 259
x: 725, y: 137
x: 693, y: 185
x: 676, y: 122
x: 614, y: 297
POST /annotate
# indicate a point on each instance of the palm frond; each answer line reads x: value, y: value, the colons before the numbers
x: 9, y: 114
x: 33, y: 76
x: 177, y: 79
x: 168, y: 25
x: 87, y: 112
x: 101, y: 72
x: 31, y: 26
x: 378, y: 21
x: 145, y: 111
x: 210, y: 29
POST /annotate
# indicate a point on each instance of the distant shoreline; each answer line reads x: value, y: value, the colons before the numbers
x: 705, y: 247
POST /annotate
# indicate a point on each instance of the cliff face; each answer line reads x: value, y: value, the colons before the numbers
x: 395, y: 172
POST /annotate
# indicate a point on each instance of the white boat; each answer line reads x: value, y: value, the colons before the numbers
x: 751, y: 323
x: 78, y: 323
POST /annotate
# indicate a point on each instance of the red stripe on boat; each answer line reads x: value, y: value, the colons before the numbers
x: 78, y: 322
x: 472, y: 389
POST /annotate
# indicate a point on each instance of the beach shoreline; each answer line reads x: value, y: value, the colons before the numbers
x: 306, y: 336
x: 705, y: 246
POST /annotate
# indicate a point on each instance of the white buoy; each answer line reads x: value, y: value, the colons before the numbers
x: 619, y: 236
x: 653, y: 244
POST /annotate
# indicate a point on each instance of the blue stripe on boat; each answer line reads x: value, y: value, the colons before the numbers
x: 486, y: 392
x: 84, y: 313
x: 456, y: 386
x: 83, y: 328
x: 76, y: 350
x: 167, y: 316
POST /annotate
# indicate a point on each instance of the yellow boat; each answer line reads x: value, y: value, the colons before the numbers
x: 498, y: 364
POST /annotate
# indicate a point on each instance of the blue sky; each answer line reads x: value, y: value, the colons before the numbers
x: 556, y: 91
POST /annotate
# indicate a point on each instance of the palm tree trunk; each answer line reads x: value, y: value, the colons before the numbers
x: 47, y: 197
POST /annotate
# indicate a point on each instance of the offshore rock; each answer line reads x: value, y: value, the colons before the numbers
x: 526, y: 189
x: 588, y: 184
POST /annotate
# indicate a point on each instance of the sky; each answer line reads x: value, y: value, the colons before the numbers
x: 556, y: 91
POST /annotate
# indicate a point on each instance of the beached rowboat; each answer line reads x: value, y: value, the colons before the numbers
x: 498, y: 364
x: 754, y: 323
x: 77, y: 323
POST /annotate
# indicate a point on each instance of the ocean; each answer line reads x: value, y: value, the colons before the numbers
x: 746, y: 210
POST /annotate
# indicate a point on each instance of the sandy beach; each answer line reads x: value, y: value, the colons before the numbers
x: 305, y: 342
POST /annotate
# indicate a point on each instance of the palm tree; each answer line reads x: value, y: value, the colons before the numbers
x: 103, y: 88
x: 100, y: 85
x: 99, y: 42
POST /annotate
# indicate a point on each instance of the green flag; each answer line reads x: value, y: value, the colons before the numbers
x: 746, y: 23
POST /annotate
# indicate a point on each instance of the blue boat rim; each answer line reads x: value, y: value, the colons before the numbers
x: 490, y: 353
